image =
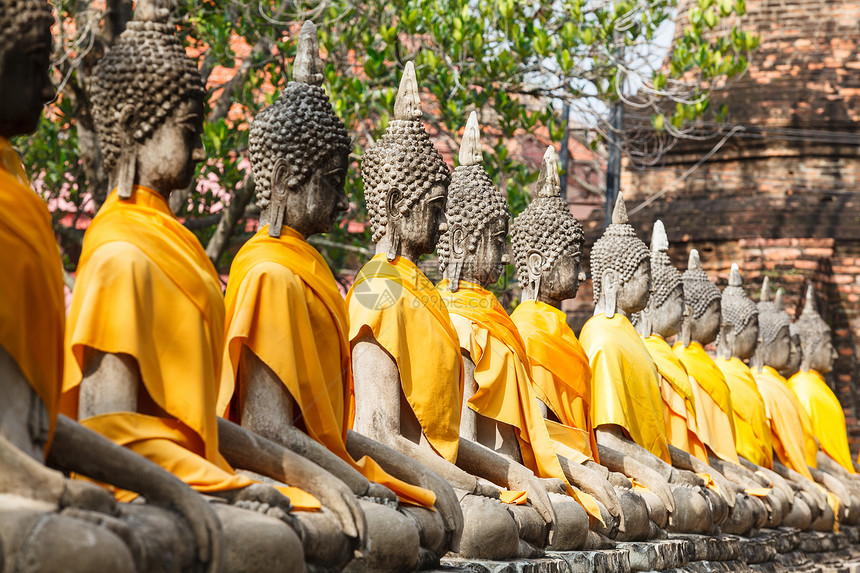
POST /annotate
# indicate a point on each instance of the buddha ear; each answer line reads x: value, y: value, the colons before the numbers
x: 278, y: 197
x: 609, y: 291
x: 458, y: 253
x: 127, y: 163
x: 534, y: 263
x: 392, y: 200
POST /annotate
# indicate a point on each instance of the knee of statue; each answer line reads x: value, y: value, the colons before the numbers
x: 762, y: 516
x: 717, y: 504
x: 167, y: 543
x: 825, y: 521
x: 692, y: 513
x: 778, y: 506
x: 257, y: 542
x: 800, y: 516
x: 394, y: 540
x: 656, y: 509
x: 489, y: 530
x: 571, y: 529
x: 435, y: 540
x: 742, y: 517
x: 637, y: 516
x: 39, y: 541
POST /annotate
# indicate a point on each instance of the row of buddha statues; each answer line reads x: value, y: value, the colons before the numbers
x: 164, y: 425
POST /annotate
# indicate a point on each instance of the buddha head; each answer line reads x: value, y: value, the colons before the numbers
x: 620, y: 268
x: 774, y: 340
x: 147, y: 97
x: 547, y: 241
x: 299, y: 150
x: 815, y: 337
x: 665, y: 309
x: 405, y: 180
x: 473, y: 245
x: 739, y: 326
x: 703, y: 302
x: 795, y: 354
x: 25, y: 64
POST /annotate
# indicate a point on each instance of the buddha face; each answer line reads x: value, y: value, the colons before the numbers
x: 419, y: 228
x: 633, y: 295
x: 166, y: 160
x: 746, y: 340
x: 562, y: 281
x: 315, y: 207
x: 666, y: 319
x: 705, y: 329
x: 794, y: 356
x: 823, y: 357
x: 491, y: 254
x: 778, y: 351
x: 25, y: 83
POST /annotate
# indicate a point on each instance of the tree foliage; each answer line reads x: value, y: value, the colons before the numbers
x: 513, y: 62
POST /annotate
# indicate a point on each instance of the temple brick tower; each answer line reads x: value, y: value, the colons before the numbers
x: 781, y: 197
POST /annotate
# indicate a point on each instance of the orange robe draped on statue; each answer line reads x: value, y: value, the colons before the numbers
x: 752, y: 431
x: 284, y: 305
x: 790, y: 428
x: 625, y: 388
x: 679, y: 402
x: 560, y: 375
x: 33, y: 309
x: 146, y: 288
x: 714, y: 412
x: 826, y: 415
x: 404, y: 312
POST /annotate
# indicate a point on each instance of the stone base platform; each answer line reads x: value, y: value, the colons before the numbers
x: 770, y: 551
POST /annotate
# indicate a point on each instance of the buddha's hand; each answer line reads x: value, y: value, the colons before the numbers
x: 204, y: 525
x: 379, y: 491
x: 84, y: 495
x: 685, y: 477
x: 525, y: 480
x: 554, y: 485
x: 263, y: 498
x: 486, y: 489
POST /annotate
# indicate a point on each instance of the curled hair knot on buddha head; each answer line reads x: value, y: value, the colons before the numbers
x: 771, y: 313
x: 738, y: 309
x: 813, y: 329
x: 402, y: 161
x: 300, y: 129
x: 618, y: 249
x: 473, y: 200
x: 665, y: 278
x: 699, y: 291
x: 146, y: 74
x: 546, y: 225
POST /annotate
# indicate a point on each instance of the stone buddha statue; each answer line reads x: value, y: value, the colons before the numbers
x: 49, y: 522
x: 406, y: 363
x: 144, y: 337
x: 627, y: 406
x: 547, y: 243
x: 813, y: 393
x: 288, y: 379
x: 500, y: 410
x: 739, y: 334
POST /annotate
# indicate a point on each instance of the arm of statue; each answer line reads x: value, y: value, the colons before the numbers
x: 410, y: 471
x: 780, y: 495
x: 244, y: 449
x: 595, y: 484
x: 267, y: 409
x: 630, y: 467
x: 377, y: 383
x: 803, y: 483
x: 835, y: 485
x: 613, y: 437
x: 77, y: 449
x: 830, y: 465
x: 685, y: 461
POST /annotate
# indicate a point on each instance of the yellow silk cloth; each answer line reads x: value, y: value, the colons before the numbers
x: 714, y: 413
x: 826, y: 415
x: 790, y: 429
x: 11, y: 163
x: 752, y: 431
x: 505, y: 392
x: 560, y: 374
x: 406, y: 315
x: 283, y: 304
x: 682, y: 429
x: 33, y: 308
x: 625, y: 387
x: 146, y: 288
